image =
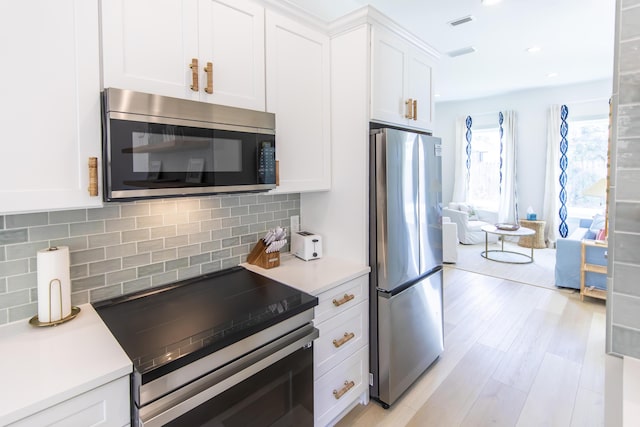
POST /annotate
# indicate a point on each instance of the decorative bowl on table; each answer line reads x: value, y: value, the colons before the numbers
x: 507, y: 227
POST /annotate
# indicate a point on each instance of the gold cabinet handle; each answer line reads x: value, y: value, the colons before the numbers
x: 348, y: 385
x: 209, y: 70
x: 347, y: 336
x: 409, y: 104
x: 194, y: 74
x: 415, y: 109
x: 93, y: 176
x: 345, y: 298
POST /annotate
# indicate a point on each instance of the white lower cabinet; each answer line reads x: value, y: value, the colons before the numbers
x: 107, y: 405
x: 341, y: 352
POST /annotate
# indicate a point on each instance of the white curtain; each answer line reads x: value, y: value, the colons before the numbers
x: 460, y: 181
x: 551, y: 181
x: 508, y: 208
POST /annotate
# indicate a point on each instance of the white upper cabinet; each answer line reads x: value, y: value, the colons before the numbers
x: 298, y: 92
x: 49, y: 103
x: 402, y: 82
x: 151, y: 46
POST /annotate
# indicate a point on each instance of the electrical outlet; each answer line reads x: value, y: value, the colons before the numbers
x: 295, y: 223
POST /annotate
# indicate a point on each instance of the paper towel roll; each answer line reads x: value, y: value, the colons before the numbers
x: 54, y: 284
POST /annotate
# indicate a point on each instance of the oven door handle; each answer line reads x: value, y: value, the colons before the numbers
x: 178, y: 403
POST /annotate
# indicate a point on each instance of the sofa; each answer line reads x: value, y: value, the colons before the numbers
x: 568, y: 256
x: 469, y: 221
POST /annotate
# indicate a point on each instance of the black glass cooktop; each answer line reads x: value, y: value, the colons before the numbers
x: 178, y: 323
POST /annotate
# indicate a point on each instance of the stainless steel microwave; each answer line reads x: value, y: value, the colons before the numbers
x: 157, y: 146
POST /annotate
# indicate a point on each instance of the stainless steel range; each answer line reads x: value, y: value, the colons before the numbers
x: 231, y: 348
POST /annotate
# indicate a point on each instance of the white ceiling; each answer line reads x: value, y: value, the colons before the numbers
x: 575, y: 37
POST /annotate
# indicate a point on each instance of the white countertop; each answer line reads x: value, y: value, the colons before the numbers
x: 313, y: 277
x: 41, y: 367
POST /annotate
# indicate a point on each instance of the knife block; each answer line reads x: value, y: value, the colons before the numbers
x: 258, y: 256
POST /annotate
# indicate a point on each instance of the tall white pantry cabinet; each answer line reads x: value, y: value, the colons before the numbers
x: 49, y: 104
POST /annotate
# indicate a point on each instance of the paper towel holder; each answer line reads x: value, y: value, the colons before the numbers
x: 34, y: 321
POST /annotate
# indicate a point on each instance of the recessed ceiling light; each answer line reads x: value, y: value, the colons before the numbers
x: 490, y: 2
x: 460, y: 21
x: 463, y: 51
x: 552, y: 75
x: 534, y: 49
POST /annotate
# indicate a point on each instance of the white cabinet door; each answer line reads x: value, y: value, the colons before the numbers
x: 401, y: 88
x: 298, y: 92
x: 49, y: 103
x: 232, y: 39
x: 149, y: 46
x: 421, y: 88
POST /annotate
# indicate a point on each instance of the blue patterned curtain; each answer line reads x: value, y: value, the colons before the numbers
x: 468, y: 122
x: 564, y: 162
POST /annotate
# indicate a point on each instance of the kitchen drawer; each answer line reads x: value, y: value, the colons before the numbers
x: 107, y: 405
x: 354, y: 370
x: 341, y: 298
x: 349, y: 329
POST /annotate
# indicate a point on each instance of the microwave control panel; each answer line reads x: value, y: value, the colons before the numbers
x: 267, y: 163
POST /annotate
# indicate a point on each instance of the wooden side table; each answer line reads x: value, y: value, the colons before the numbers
x: 585, y: 289
x: 537, y: 240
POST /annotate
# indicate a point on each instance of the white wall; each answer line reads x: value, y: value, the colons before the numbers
x: 586, y: 99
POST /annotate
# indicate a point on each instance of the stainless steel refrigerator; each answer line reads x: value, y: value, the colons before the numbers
x: 406, y: 260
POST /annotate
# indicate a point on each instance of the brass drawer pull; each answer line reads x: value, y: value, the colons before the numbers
x: 415, y: 109
x: 348, y: 385
x: 344, y: 339
x: 345, y: 298
x: 209, y: 70
x: 93, y: 176
x: 194, y: 74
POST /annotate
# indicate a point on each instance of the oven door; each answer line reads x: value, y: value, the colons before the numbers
x: 148, y: 159
x: 272, y: 386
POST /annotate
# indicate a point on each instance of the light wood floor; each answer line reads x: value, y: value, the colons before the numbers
x: 515, y: 355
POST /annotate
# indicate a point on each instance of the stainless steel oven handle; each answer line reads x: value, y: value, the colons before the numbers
x: 181, y: 401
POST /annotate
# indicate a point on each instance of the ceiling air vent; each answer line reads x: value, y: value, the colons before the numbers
x: 460, y: 52
x: 461, y: 21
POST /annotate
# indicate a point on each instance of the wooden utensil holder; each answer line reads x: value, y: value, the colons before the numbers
x: 258, y: 256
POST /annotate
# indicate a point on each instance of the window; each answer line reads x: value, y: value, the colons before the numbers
x: 587, y: 166
x: 484, y: 179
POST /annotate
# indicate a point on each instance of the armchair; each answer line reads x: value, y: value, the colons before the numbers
x: 568, y: 257
x: 469, y: 228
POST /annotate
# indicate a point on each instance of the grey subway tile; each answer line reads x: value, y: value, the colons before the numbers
x: 627, y: 217
x: 230, y: 201
x: 251, y: 239
x: 136, y: 260
x: 233, y: 241
x: 273, y: 207
x: 4, y: 316
x: 628, y: 152
x: 222, y: 254
x: 256, y: 209
x: 164, y: 278
x: 74, y: 243
x: 185, y: 229
x: 79, y: 298
x: 48, y: 232
x: 3, y: 257
x: 187, y: 273
x: 69, y: 216
x: 260, y: 228
x: 136, y: 285
x: 121, y: 276
x: 78, y: 271
x: 108, y: 212
x: 163, y: 255
x: 251, y: 199
x: 240, y: 250
x: 3, y: 285
x: 293, y: 196
x: 628, y: 121
x: 629, y: 88
x: 150, y: 245
x: 87, y: 256
x: 107, y: 266
x: 199, y: 237
x: 629, y: 28
x: 106, y: 292
x: 199, y: 259
x: 265, y: 198
x: 625, y: 311
x: 175, y: 242
x: 12, y: 268
x: 121, y: 224
x: 149, y: 221
x: 280, y: 197
x: 230, y: 222
x: 135, y: 235
x: 22, y: 312
x: 12, y: 299
x: 23, y: 281
x: 26, y: 220
x: 629, y: 3
x: 25, y: 250
x: 239, y: 211
x: 84, y: 228
x: 627, y: 248
x: 175, y: 219
x: 33, y: 294
x: 239, y: 231
x: 119, y: 251
x: 289, y: 204
x: 197, y: 216
x: 9, y: 237
x: 165, y: 231
x: 106, y: 239
x: 210, y: 267
x: 220, y: 213
x: 135, y: 209
x: 87, y: 283
x: 176, y: 264
x: 211, y: 246
x: 166, y: 208
x: 188, y: 251
x: 626, y: 279
x: 210, y: 203
x: 265, y: 217
x: 230, y: 262
x: 625, y: 341
x: 1, y: 222
x: 188, y: 204
x: 209, y: 225
x: 629, y: 60
x: 151, y: 269
x: 280, y: 215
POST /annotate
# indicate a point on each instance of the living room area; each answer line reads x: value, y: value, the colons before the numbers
x: 475, y: 136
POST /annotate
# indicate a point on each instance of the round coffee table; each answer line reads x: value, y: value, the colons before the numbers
x: 492, y: 229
